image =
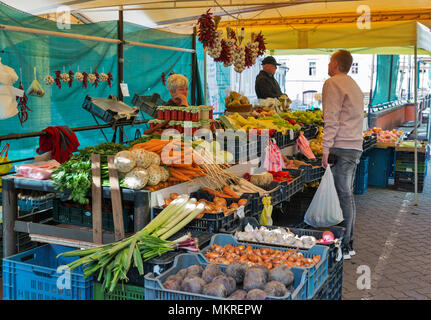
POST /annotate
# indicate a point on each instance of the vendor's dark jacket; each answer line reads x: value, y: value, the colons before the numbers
x: 266, y: 86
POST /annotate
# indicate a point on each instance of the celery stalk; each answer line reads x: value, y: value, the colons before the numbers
x: 166, y: 214
x: 172, y: 222
x: 199, y: 208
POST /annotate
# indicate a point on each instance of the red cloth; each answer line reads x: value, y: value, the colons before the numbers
x: 61, y: 141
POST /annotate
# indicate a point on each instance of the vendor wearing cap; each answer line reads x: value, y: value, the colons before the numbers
x: 266, y: 86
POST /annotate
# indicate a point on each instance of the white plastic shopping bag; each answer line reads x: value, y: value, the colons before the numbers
x: 324, y: 209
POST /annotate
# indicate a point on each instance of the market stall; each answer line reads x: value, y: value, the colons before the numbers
x: 137, y: 207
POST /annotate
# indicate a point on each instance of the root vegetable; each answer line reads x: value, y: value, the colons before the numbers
x: 275, y: 289
x: 282, y: 274
x: 256, y: 294
x: 264, y: 269
x: 238, y: 295
x: 215, y: 289
x: 192, y: 284
x: 182, y: 273
x: 211, y: 271
x: 171, y: 285
x: 237, y: 271
x: 228, y: 282
x: 175, y: 277
x: 195, y: 270
x: 255, y: 278
x: 125, y: 161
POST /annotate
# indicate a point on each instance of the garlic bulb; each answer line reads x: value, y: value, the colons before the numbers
x: 79, y: 76
x: 277, y: 236
x: 103, y: 76
x: 49, y: 80
x: 91, y: 77
x: 65, y: 77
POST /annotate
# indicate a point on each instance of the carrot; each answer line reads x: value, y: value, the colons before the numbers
x: 230, y: 192
x: 179, y: 175
x: 181, y: 165
x: 214, y: 192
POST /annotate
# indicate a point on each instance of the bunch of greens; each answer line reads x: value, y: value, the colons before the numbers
x: 75, y: 175
x: 104, y: 149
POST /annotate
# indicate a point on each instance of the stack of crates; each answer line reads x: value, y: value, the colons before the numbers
x: 380, y: 166
x: 405, y: 167
x: 361, y: 177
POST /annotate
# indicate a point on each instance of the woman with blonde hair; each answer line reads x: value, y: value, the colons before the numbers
x: 178, y: 87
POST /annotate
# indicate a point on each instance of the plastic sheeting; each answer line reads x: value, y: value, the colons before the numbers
x: 386, y: 81
x: 143, y: 68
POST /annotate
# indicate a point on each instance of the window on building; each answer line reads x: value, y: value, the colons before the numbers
x: 355, y: 68
x: 312, y: 68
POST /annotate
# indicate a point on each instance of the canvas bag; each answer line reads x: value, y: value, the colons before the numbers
x: 324, y: 209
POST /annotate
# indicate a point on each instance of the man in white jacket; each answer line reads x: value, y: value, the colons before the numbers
x: 343, y: 115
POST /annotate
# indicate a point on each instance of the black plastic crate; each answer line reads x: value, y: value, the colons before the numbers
x: 279, y: 140
x: 253, y: 151
x: 108, y: 116
x: 148, y: 103
x: 238, y: 149
x: 310, y: 131
x: 332, y: 288
x: 405, y: 156
x: 210, y: 222
x: 312, y: 172
x: 408, y: 177
x: 368, y: 143
x: 202, y: 194
x: 68, y: 212
x: 294, y: 210
x: 294, y: 186
x: 275, y: 191
x: 408, y: 187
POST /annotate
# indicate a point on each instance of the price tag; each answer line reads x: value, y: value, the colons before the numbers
x: 291, y: 134
x: 240, y: 212
x: 409, y: 170
x: 124, y: 89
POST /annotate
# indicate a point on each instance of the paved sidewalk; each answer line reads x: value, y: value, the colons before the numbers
x: 392, y: 237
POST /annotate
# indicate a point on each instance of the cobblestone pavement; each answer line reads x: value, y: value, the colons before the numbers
x: 392, y: 238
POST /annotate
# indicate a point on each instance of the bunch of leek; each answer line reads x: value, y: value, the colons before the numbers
x: 114, y: 260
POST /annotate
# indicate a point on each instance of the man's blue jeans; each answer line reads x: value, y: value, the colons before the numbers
x: 344, y: 172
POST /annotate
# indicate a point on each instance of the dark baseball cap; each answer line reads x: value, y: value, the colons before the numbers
x: 270, y: 60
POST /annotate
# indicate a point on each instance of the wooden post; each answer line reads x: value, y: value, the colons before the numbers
x: 194, y: 67
x: 117, y: 208
x: 96, y: 198
x: 9, y: 216
x: 120, y: 26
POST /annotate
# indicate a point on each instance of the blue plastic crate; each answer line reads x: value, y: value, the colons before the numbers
x: 362, y: 167
x: 361, y: 183
x: 381, y: 166
x: 316, y: 275
x: 332, y: 288
x: 154, y: 289
x: 32, y: 275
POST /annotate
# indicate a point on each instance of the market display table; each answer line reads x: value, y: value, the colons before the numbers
x: 11, y: 224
